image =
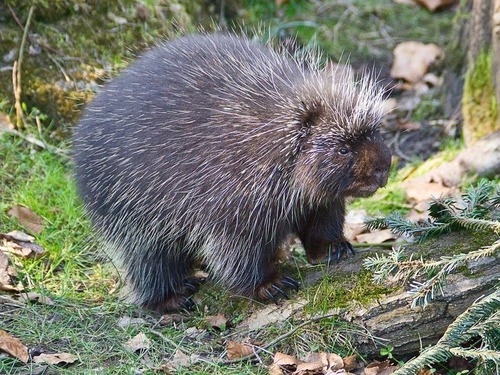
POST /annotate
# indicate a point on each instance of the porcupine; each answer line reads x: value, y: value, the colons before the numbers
x: 215, y: 149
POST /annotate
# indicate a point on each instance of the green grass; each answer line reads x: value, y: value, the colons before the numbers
x: 73, y: 272
x: 362, y: 30
x: 82, y: 284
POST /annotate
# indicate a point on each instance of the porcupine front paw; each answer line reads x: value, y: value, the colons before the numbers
x: 334, y: 253
x: 274, y: 290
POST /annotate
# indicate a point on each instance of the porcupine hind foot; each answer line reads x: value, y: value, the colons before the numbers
x: 160, y: 280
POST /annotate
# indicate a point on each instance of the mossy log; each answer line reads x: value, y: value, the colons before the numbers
x: 392, y: 321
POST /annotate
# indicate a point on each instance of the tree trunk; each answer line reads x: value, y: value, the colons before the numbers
x: 496, y: 50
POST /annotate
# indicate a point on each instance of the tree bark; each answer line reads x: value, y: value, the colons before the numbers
x: 496, y: 49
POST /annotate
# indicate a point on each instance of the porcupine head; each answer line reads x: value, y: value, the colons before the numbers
x: 342, y: 155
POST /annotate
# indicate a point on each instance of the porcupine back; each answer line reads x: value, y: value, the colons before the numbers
x: 205, y: 149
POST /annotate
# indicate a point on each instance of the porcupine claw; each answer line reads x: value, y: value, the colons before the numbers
x: 291, y: 283
x: 192, y: 284
x: 280, y: 291
x: 187, y: 304
x: 336, y: 251
x: 274, y: 290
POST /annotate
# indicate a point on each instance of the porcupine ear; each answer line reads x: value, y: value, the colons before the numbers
x: 310, y: 114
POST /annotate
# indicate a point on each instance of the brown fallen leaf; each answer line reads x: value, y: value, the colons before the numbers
x: 377, y: 236
x: 21, y: 244
x: 420, y: 189
x: 218, y: 321
x: 433, y: 5
x: 237, y: 350
x: 138, y: 342
x: 55, y: 358
x: 272, y: 314
x: 275, y: 369
x: 309, y: 368
x: 27, y: 218
x: 180, y: 359
x: 413, y: 59
x: 282, y: 359
x: 380, y: 368
x: 330, y: 361
x: 5, y: 277
x: 351, y: 363
x: 13, y: 346
x: 5, y: 123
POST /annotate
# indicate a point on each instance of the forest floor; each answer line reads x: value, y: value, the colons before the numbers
x: 71, y: 302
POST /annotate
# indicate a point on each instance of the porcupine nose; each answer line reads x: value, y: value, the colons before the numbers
x: 381, y: 169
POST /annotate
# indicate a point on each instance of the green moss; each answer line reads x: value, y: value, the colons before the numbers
x: 341, y: 290
x: 479, y: 103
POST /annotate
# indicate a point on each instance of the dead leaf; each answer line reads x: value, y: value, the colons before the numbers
x: 55, y: 358
x: 35, y: 297
x: 5, y: 123
x: 27, y: 218
x: 282, y: 359
x: 17, y: 235
x: 377, y: 236
x: 13, y: 346
x: 433, y: 5
x: 413, y: 59
x: 169, y: 319
x: 380, y: 368
x: 5, y: 277
x: 354, y: 223
x: 138, y: 342
x: 351, y: 362
x: 21, y: 244
x: 218, y: 321
x: 180, y: 359
x: 419, y: 189
x: 309, y: 368
x: 237, y: 350
x: 330, y: 361
x: 274, y: 369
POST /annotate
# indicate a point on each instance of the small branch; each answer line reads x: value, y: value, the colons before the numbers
x: 16, y: 73
x: 279, y: 338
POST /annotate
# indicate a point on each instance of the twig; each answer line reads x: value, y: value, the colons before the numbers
x: 16, y: 73
x: 279, y: 338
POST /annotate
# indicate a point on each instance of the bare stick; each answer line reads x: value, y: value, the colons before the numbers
x: 279, y: 338
x: 16, y: 74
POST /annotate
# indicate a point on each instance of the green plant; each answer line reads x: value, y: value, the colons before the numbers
x: 481, y: 320
x: 476, y: 211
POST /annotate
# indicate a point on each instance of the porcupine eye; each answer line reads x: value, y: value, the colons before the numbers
x: 344, y: 151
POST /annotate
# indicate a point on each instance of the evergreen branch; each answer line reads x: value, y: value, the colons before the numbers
x: 457, y: 333
x: 474, y: 224
x: 375, y: 223
x: 483, y: 354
